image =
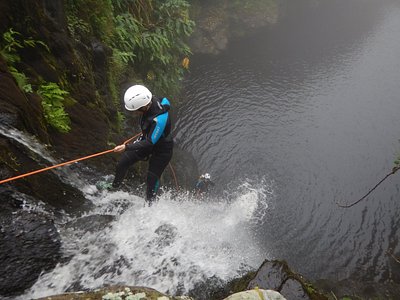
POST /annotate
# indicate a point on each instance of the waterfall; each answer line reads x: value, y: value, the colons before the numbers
x: 171, y: 246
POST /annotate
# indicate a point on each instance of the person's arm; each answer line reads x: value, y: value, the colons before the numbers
x: 146, y: 144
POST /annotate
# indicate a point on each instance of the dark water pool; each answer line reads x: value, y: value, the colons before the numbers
x: 312, y: 103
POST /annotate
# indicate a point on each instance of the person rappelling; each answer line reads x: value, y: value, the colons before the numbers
x: 155, y: 143
x: 203, y: 185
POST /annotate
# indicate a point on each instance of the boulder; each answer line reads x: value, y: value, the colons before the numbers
x: 257, y: 294
x: 218, y: 22
x: 117, y: 292
x: 29, y: 245
x: 278, y: 276
x: 143, y: 293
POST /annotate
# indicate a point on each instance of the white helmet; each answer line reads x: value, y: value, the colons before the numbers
x: 207, y: 176
x: 136, y: 97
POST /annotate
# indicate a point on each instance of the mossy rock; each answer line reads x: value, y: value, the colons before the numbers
x: 100, y: 294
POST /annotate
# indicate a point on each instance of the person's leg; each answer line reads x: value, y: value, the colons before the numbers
x: 128, y: 158
x: 157, y: 164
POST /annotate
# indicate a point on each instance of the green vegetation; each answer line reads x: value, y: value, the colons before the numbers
x: 397, y: 161
x: 53, y: 106
x: 147, y: 38
x: 151, y: 38
x: 51, y: 94
x: 12, y: 42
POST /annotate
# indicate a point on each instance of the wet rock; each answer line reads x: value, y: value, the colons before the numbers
x: 92, y: 223
x: 47, y: 187
x: 278, y: 276
x: 29, y: 245
x: 272, y: 274
x: 122, y: 292
x: 211, y: 32
x: 166, y: 235
x: 118, y: 292
x: 256, y: 295
x: 293, y: 289
x: 218, y: 22
x: 210, y: 288
x: 18, y: 110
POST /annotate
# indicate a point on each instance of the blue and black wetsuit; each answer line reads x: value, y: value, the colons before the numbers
x: 155, y: 144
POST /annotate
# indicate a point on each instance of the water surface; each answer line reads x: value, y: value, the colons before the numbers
x: 313, y: 105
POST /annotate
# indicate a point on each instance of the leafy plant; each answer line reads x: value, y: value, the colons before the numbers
x: 22, y: 80
x: 77, y: 27
x: 151, y: 34
x: 53, y: 106
x: 397, y: 161
x: 13, y: 41
x: 90, y: 17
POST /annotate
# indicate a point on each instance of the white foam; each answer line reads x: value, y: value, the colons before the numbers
x: 170, y: 246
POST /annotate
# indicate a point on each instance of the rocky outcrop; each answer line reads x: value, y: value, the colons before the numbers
x: 217, y: 22
x: 256, y: 294
x: 80, y: 67
x: 274, y: 275
x: 141, y: 293
x: 277, y: 275
x: 118, y: 292
x: 29, y: 245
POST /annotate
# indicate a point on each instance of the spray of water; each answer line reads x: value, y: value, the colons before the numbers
x: 172, y: 245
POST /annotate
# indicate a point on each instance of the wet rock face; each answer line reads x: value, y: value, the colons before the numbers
x: 29, y: 245
x: 217, y: 22
x: 46, y: 187
x: 18, y: 110
x: 272, y: 274
x: 277, y: 275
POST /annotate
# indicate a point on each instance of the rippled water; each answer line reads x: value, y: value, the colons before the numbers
x: 312, y: 103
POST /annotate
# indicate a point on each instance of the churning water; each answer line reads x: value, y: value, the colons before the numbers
x: 170, y: 246
x: 173, y: 245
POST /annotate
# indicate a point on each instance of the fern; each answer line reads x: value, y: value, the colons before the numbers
x: 13, y: 41
x: 151, y: 34
x: 22, y: 80
x: 53, y: 106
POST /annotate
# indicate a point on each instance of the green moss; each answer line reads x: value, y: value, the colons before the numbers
x: 99, y: 294
x: 238, y: 285
x: 10, y: 160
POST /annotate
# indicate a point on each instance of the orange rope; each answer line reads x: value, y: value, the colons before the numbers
x: 173, y: 173
x: 64, y: 163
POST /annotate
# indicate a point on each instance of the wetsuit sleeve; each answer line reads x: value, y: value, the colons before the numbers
x: 145, y: 146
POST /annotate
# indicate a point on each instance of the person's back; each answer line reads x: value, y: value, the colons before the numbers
x: 155, y: 143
